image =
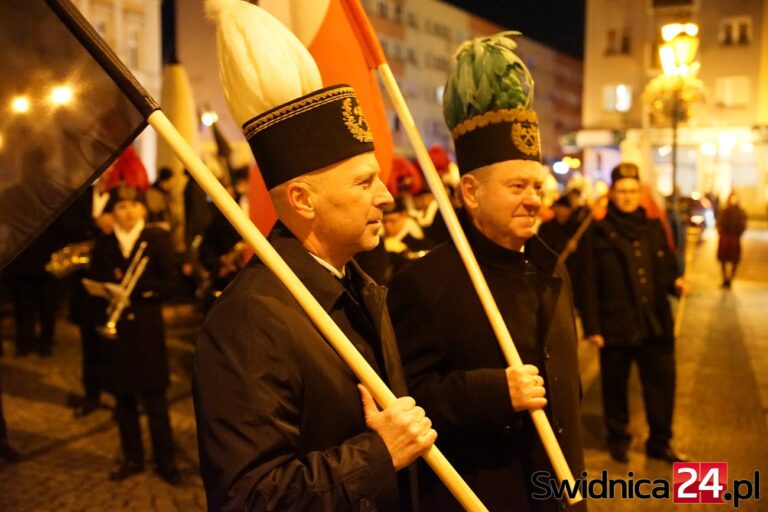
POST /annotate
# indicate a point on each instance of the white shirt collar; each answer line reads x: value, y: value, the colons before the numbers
x: 127, y: 239
x: 329, y: 267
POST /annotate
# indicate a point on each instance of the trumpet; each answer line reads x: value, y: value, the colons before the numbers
x: 128, y: 283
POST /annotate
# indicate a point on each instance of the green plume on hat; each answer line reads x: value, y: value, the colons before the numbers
x: 487, y: 76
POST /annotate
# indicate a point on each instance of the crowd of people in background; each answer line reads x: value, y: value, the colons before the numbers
x: 213, y: 253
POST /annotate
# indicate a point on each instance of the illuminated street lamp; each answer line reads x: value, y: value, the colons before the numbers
x: 61, y: 95
x: 677, y: 56
x: 209, y: 117
x: 20, y: 104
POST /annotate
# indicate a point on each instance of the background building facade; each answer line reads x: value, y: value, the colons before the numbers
x: 722, y: 147
x: 132, y: 29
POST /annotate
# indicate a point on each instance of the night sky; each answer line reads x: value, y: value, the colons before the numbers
x: 555, y: 23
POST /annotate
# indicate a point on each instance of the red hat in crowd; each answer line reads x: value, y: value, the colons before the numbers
x: 405, y: 177
x: 440, y: 158
x: 128, y: 170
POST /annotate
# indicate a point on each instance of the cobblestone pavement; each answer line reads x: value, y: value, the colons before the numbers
x: 721, y: 411
x: 66, y: 460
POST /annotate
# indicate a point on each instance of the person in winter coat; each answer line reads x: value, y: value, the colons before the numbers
x: 282, y: 422
x: 630, y: 272
x: 731, y: 224
x: 452, y: 359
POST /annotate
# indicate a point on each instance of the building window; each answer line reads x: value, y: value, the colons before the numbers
x: 617, y: 98
x: 625, y: 46
x: 617, y: 43
x: 412, y: 21
x: 398, y: 15
x: 735, y: 31
x: 412, y: 57
x: 132, y: 48
x: 133, y: 37
x: 672, y: 3
x: 398, y: 52
x: 438, y: 62
x: 383, y: 9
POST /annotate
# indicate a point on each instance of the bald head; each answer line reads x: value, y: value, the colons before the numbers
x: 335, y: 211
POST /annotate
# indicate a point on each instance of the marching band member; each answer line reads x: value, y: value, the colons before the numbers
x: 135, y: 365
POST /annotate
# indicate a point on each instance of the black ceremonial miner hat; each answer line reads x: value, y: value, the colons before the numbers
x: 316, y: 130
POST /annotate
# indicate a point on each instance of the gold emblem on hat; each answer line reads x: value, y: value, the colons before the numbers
x: 525, y: 136
x: 355, y: 121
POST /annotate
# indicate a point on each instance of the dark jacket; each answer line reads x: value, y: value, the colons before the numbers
x: 731, y: 224
x: 279, y: 417
x: 630, y: 270
x: 219, y: 238
x: 79, y: 226
x: 137, y: 362
x: 455, y: 368
x: 556, y: 236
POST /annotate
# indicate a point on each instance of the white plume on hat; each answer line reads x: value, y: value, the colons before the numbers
x: 261, y: 63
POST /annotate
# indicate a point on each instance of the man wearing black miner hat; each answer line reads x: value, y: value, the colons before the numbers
x: 629, y: 272
x: 282, y: 423
x: 452, y: 360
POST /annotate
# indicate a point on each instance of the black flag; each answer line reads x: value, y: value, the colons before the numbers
x: 69, y: 108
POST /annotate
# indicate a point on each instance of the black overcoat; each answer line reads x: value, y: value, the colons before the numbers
x: 137, y: 361
x: 630, y: 270
x: 279, y: 418
x: 455, y: 369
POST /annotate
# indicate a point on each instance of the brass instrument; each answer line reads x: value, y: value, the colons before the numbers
x: 69, y: 259
x: 119, y: 303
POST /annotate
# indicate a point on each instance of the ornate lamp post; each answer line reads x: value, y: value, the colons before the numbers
x: 677, y: 56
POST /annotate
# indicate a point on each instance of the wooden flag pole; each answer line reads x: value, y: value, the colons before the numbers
x: 692, y: 235
x: 539, y: 417
x: 580, y: 231
x: 267, y: 254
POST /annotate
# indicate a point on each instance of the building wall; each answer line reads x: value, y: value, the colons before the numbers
x: 132, y: 29
x: 720, y: 148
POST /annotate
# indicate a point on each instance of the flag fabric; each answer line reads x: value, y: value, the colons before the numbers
x: 262, y: 210
x: 66, y: 116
